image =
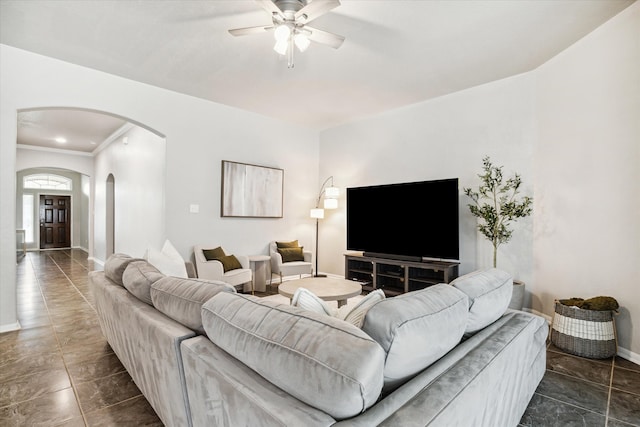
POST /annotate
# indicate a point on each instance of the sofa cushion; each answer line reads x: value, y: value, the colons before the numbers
x: 115, y: 265
x: 489, y: 293
x: 138, y: 278
x: 320, y: 360
x: 416, y: 329
x: 182, y: 299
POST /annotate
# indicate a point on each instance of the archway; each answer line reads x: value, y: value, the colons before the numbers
x: 117, y: 151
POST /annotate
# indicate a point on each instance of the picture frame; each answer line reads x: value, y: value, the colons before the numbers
x: 251, y: 191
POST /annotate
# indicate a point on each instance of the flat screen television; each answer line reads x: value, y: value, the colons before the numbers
x: 411, y: 221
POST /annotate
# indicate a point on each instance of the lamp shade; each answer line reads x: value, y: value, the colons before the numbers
x: 330, y: 203
x: 332, y: 192
x: 317, y: 213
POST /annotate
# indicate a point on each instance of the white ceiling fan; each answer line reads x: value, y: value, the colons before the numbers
x: 290, y: 19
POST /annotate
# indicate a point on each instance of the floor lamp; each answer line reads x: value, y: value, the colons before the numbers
x: 330, y: 194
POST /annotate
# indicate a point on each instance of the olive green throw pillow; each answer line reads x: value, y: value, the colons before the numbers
x: 211, y: 254
x: 291, y: 254
x: 230, y: 262
x: 292, y: 244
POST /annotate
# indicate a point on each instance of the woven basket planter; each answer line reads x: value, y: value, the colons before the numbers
x: 586, y: 333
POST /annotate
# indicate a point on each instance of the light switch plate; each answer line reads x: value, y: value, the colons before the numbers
x: 194, y: 208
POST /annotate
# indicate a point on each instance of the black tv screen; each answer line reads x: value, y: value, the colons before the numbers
x: 413, y: 220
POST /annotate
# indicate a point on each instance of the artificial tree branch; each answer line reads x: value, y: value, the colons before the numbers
x: 502, y: 207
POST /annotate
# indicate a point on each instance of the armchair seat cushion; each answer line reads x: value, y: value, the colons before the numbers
x: 238, y: 276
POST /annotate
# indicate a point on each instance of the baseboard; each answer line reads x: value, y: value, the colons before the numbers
x: 10, y: 327
x: 629, y: 355
x: 96, y: 260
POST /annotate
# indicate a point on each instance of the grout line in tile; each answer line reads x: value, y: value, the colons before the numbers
x: 606, y: 418
x: 71, y: 381
x: 568, y: 403
x: 579, y: 378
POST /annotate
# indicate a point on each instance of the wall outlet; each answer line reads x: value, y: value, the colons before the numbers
x: 194, y: 209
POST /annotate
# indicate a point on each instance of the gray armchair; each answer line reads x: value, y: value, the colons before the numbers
x: 240, y: 278
x: 291, y: 268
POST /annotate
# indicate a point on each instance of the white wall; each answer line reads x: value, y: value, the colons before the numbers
x: 199, y: 135
x: 587, y: 173
x: 443, y: 138
x: 138, y: 168
x: 570, y: 128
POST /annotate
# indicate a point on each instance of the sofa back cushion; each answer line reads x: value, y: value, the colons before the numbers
x: 138, y: 278
x: 115, y: 265
x: 416, y: 329
x: 323, y: 361
x: 182, y: 299
x: 489, y: 293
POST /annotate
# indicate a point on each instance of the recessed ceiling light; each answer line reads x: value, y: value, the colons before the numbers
x: 92, y: 142
x: 61, y: 140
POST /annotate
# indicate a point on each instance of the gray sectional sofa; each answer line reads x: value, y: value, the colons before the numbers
x: 202, y: 354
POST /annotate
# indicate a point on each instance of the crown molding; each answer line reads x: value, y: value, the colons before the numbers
x: 54, y: 150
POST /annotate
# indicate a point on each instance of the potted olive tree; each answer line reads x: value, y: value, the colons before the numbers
x: 496, y: 203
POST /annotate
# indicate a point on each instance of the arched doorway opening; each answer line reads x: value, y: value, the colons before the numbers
x: 100, y: 146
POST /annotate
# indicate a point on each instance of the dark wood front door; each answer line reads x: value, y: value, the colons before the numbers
x: 55, y: 222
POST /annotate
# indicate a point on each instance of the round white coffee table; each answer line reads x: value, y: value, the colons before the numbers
x: 326, y: 288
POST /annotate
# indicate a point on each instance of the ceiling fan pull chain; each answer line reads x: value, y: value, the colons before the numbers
x: 290, y: 53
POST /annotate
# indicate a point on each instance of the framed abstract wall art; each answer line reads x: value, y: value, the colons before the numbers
x: 251, y: 191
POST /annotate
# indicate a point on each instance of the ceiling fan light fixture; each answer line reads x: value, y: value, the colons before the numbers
x: 281, y: 47
x: 282, y: 33
x: 302, y: 41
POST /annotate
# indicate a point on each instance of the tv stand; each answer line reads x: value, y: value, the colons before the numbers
x: 391, y: 256
x: 396, y: 277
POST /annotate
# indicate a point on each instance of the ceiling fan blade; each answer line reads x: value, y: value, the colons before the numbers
x: 324, y: 37
x: 269, y: 6
x: 250, y: 30
x: 314, y: 9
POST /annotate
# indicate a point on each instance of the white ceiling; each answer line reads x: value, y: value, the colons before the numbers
x: 82, y: 130
x: 396, y: 52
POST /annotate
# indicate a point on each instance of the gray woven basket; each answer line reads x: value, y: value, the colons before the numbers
x: 586, y: 333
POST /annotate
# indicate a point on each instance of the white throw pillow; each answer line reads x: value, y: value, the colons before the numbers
x: 168, y: 261
x: 307, y: 300
x: 355, y: 315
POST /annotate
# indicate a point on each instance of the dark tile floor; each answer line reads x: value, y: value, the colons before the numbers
x: 58, y: 370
